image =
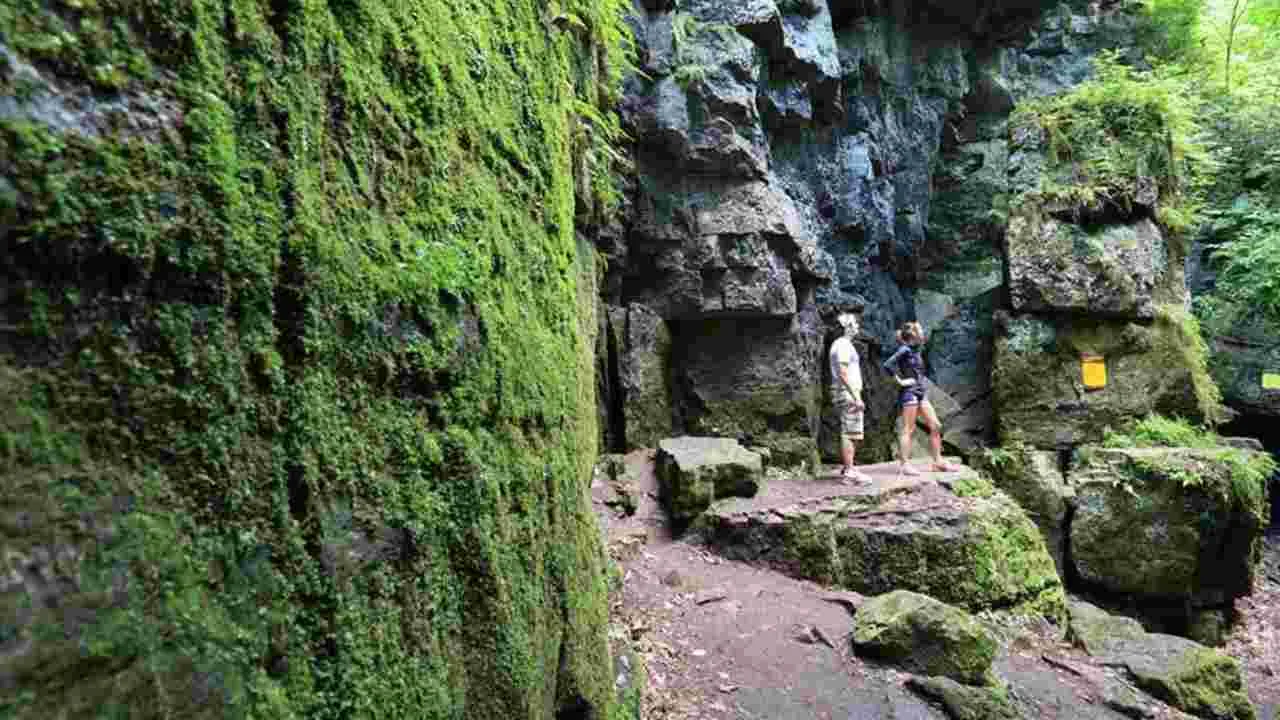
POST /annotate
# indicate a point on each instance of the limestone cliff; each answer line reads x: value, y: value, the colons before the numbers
x: 797, y: 158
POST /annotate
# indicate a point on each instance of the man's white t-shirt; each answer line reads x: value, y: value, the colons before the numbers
x: 843, y: 353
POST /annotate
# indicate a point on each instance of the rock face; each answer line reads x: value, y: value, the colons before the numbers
x: 695, y: 471
x: 1119, y: 270
x: 296, y: 389
x: 1185, y: 674
x: 1039, y: 388
x: 925, y: 636
x: 977, y: 552
x: 785, y: 168
x: 641, y: 348
x: 1249, y: 349
x: 1200, y: 511
x: 753, y: 380
x: 1034, y: 480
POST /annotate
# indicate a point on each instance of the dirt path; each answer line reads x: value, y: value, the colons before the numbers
x: 724, y: 640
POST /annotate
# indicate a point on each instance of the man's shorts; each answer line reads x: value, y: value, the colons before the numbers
x: 851, y: 418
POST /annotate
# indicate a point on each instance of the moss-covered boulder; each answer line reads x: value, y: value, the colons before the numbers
x: 1123, y: 270
x: 1034, y: 480
x: 1183, y: 673
x: 694, y: 472
x: 975, y: 549
x: 1199, y: 512
x: 965, y: 702
x: 1038, y: 384
x: 925, y: 636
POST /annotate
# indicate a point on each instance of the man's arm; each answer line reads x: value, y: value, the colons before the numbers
x: 851, y: 376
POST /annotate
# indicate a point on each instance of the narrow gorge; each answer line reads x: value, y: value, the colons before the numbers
x: 467, y: 359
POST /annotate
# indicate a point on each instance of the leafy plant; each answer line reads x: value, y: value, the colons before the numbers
x: 1160, y: 431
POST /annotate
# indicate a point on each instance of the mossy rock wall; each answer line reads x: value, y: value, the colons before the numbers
x: 296, y: 385
x: 1040, y: 397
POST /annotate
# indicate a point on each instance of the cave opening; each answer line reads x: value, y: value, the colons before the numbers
x: 1265, y: 429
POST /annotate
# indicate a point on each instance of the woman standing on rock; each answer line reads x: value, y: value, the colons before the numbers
x: 907, y: 367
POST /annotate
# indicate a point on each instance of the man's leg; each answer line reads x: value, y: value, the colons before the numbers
x: 847, y: 451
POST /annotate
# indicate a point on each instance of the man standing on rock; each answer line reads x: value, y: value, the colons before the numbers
x: 846, y: 393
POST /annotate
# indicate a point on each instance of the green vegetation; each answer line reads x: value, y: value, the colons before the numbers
x: 1110, y: 134
x: 1226, y: 54
x: 1236, y: 477
x: 1159, y: 431
x: 314, y: 343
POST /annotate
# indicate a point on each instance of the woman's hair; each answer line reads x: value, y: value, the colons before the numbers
x: 847, y: 320
x: 910, y: 331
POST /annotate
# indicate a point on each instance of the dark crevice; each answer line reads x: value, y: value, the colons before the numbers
x: 576, y: 708
x: 1266, y: 430
x: 1070, y: 578
x: 616, y: 397
x: 278, y: 19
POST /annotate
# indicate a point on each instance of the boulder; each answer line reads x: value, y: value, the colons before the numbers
x: 1039, y: 392
x: 1183, y: 673
x: 1118, y: 270
x: 965, y: 702
x: 926, y: 636
x: 643, y: 348
x: 694, y: 472
x: 1199, y: 513
x: 757, y: 380
x: 1033, y: 479
x: 975, y: 549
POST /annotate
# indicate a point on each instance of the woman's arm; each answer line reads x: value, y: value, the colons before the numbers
x: 891, y: 366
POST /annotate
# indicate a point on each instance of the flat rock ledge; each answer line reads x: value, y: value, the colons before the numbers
x: 950, y: 536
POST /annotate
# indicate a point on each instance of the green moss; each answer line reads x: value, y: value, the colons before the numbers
x: 1159, y: 367
x: 1107, y: 133
x: 1235, y: 477
x: 1203, y: 682
x: 925, y: 636
x: 328, y: 330
x: 1000, y: 562
x: 1159, y: 431
x: 975, y: 486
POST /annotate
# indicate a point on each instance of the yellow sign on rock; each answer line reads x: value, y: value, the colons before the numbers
x: 1271, y: 381
x: 1093, y: 369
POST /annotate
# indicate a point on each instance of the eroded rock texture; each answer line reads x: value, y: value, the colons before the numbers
x: 794, y: 159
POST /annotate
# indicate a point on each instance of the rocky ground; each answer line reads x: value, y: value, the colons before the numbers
x: 722, y: 639
x: 1255, y: 642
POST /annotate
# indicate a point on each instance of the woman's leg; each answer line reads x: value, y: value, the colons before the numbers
x: 935, y: 430
x: 909, y: 413
x: 935, y: 437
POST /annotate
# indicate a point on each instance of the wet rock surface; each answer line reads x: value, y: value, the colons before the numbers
x: 1181, y: 672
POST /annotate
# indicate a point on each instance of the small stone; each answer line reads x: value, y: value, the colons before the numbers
x: 709, y: 596
x: 673, y: 579
x: 727, y: 688
x: 699, y: 653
